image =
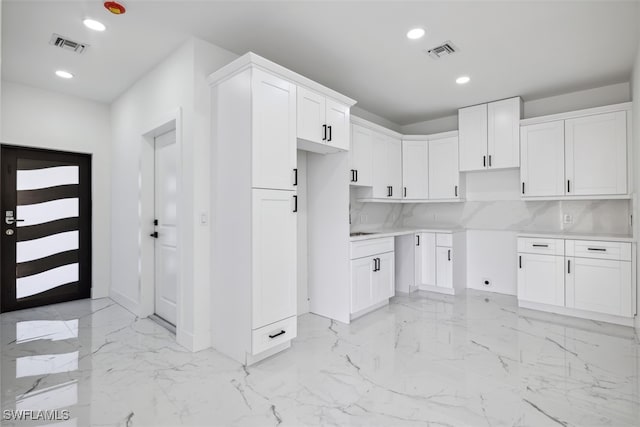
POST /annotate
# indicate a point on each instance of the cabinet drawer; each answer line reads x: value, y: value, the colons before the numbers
x: 599, y: 249
x: 443, y: 239
x: 270, y: 336
x: 370, y: 247
x: 531, y: 245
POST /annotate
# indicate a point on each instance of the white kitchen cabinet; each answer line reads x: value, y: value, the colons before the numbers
x: 273, y: 128
x: 472, y: 125
x: 542, y: 164
x: 387, y: 167
x: 489, y: 135
x: 579, y: 154
x: 372, y: 274
x: 444, y: 177
x: 361, y: 156
x: 504, y: 133
x: 322, y: 120
x: 600, y: 285
x: 585, y: 278
x: 362, y: 270
x: 425, y: 259
x: 541, y: 278
x: 415, y: 169
x: 444, y: 267
x: 274, y: 253
x: 596, y: 154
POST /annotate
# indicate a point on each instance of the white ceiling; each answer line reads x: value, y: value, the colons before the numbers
x: 533, y: 49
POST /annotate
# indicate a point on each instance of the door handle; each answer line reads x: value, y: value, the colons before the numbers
x: 295, y: 176
x: 389, y: 191
x: 568, y: 186
x: 489, y: 160
x: 378, y: 264
x: 597, y: 249
x: 484, y: 161
x: 405, y: 191
x: 449, y: 255
x: 418, y: 237
x: 356, y: 175
x: 536, y: 245
x: 353, y: 175
x: 568, y: 266
x: 324, y: 127
x: 329, y: 140
x: 154, y: 234
x: 455, y: 191
x: 282, y: 332
x: 523, y: 188
x: 520, y: 261
x: 295, y: 203
x: 375, y: 265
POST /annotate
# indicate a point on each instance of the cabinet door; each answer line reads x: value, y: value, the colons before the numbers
x: 444, y: 267
x: 273, y: 256
x: 380, y: 166
x: 542, y: 159
x: 311, y: 115
x: 384, y: 279
x: 541, y: 279
x: 503, y: 134
x: 473, y: 137
x: 415, y: 173
x: 337, y: 121
x: 425, y: 259
x: 599, y: 285
x: 361, y: 283
x: 394, y: 167
x: 596, y: 154
x: 443, y: 168
x: 274, y: 131
x: 361, y: 156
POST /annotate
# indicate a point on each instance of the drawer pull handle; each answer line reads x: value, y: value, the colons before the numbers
x: 278, y: 334
x: 597, y: 249
x: 540, y: 246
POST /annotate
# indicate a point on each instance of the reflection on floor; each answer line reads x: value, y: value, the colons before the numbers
x: 469, y: 360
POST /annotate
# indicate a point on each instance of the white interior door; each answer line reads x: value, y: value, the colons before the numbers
x: 166, y: 209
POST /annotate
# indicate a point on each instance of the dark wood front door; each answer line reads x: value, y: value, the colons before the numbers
x: 46, y: 227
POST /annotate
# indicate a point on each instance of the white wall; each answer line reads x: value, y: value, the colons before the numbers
x: 635, y: 86
x: 357, y: 111
x: 303, y: 241
x: 39, y: 118
x: 611, y: 94
x: 176, y: 84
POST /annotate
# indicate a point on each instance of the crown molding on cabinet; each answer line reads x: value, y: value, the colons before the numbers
x: 440, y: 135
x: 375, y: 127
x: 250, y: 59
x: 625, y: 106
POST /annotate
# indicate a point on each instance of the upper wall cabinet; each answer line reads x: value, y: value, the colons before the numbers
x: 489, y: 135
x: 322, y: 121
x: 387, y: 167
x: 274, y: 129
x: 582, y: 154
x: 444, y: 177
x: 415, y: 171
x: 361, y: 156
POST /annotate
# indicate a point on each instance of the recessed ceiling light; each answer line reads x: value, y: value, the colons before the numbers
x: 463, y: 80
x: 64, y: 74
x: 94, y: 25
x: 415, y: 33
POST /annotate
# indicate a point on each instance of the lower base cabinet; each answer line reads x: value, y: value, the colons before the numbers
x: 434, y: 261
x: 587, y: 278
x: 372, y: 274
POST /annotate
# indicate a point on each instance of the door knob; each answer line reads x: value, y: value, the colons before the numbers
x: 154, y: 234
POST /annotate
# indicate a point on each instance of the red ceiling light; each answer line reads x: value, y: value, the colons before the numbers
x: 114, y: 7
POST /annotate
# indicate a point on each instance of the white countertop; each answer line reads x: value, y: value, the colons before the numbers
x: 393, y: 232
x: 579, y: 236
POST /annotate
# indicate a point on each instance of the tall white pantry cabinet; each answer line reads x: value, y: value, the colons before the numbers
x: 254, y: 179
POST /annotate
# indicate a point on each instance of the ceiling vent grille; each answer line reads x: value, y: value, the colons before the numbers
x: 445, y: 49
x: 66, y: 44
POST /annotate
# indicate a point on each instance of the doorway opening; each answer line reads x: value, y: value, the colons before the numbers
x: 46, y: 227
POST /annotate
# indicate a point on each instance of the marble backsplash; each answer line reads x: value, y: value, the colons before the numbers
x: 587, y: 216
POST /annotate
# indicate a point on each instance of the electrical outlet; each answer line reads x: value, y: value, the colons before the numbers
x: 567, y: 219
x: 486, y: 282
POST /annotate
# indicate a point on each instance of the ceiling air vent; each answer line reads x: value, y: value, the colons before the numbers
x: 66, y: 44
x: 445, y: 49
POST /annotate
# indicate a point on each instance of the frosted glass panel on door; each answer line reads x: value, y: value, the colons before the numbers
x: 47, y: 236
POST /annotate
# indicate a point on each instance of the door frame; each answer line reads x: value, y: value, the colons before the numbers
x: 146, y: 197
x: 85, y: 251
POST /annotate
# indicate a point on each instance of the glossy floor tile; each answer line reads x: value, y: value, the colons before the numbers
x: 470, y: 360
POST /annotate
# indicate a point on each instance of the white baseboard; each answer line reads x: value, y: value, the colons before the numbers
x: 193, y: 342
x: 437, y: 289
x: 125, y: 302
x: 599, y: 317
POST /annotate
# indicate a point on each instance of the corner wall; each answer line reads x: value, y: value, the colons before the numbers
x: 39, y: 118
x: 635, y: 88
x: 177, y: 84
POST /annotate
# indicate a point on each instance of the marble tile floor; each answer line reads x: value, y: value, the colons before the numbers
x: 425, y: 360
